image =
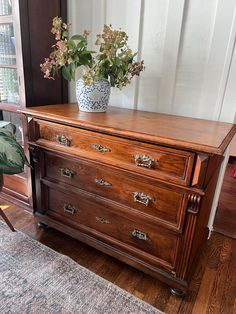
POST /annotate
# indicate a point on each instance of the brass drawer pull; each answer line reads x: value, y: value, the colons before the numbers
x: 102, y: 220
x: 144, y: 161
x: 68, y: 208
x: 63, y: 140
x: 100, y: 148
x: 142, y: 198
x: 102, y: 182
x: 67, y: 173
x: 140, y: 235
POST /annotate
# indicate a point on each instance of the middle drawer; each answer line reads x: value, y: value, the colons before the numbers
x: 153, y: 199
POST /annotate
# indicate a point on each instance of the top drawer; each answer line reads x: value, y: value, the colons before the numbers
x: 152, y: 160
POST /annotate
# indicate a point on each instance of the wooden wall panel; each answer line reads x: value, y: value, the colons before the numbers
x: 228, y: 106
x: 197, y: 34
x: 153, y: 52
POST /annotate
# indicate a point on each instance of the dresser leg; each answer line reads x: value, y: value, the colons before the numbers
x: 42, y: 225
x: 177, y: 292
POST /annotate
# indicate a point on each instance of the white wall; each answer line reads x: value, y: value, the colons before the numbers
x: 187, y: 46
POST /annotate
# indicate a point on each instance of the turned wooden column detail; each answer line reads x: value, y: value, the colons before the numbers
x: 193, y: 203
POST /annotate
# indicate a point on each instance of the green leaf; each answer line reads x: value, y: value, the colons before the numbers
x: 85, y: 59
x: 12, y: 157
x: 77, y: 37
x: 86, y: 52
x: 65, y: 34
x: 66, y: 73
x: 71, y: 44
x: 120, y: 74
x: 112, y: 80
x: 72, y: 68
x: 100, y: 57
x: 81, y: 45
x: 7, y: 126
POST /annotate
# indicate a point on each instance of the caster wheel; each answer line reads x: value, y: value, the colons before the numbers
x: 42, y: 225
x: 177, y: 293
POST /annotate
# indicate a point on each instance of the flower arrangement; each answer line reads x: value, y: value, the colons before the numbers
x: 114, y: 60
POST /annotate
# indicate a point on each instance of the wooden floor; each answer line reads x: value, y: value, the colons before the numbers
x: 225, y: 221
x: 212, y: 290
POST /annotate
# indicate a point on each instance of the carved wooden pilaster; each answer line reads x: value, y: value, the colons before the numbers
x: 193, y: 207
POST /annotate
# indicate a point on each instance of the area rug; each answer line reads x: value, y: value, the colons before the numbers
x: 36, y: 279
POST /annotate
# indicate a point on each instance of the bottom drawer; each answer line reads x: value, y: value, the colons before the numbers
x: 115, y: 225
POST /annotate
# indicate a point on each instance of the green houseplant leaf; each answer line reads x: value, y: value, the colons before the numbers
x: 12, y: 157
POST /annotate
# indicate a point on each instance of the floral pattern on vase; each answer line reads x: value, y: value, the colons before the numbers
x: 95, y: 97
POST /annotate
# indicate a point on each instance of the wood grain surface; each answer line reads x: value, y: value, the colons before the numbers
x: 165, y: 163
x: 167, y: 205
x: 182, y: 132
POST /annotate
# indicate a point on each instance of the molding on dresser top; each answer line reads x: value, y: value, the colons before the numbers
x: 182, y: 132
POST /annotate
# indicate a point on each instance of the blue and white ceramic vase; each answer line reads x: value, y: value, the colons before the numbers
x: 95, y: 97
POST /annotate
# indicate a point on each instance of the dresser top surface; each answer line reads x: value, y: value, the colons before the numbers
x: 177, y: 131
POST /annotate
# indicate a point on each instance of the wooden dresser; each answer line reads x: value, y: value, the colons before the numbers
x: 136, y: 185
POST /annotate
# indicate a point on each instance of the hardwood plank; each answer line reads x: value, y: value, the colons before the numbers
x: 214, y: 253
x: 214, y: 302
x: 204, y: 294
x: 228, y: 298
x: 173, y: 305
x: 225, y: 221
x: 197, y: 279
x: 160, y: 292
